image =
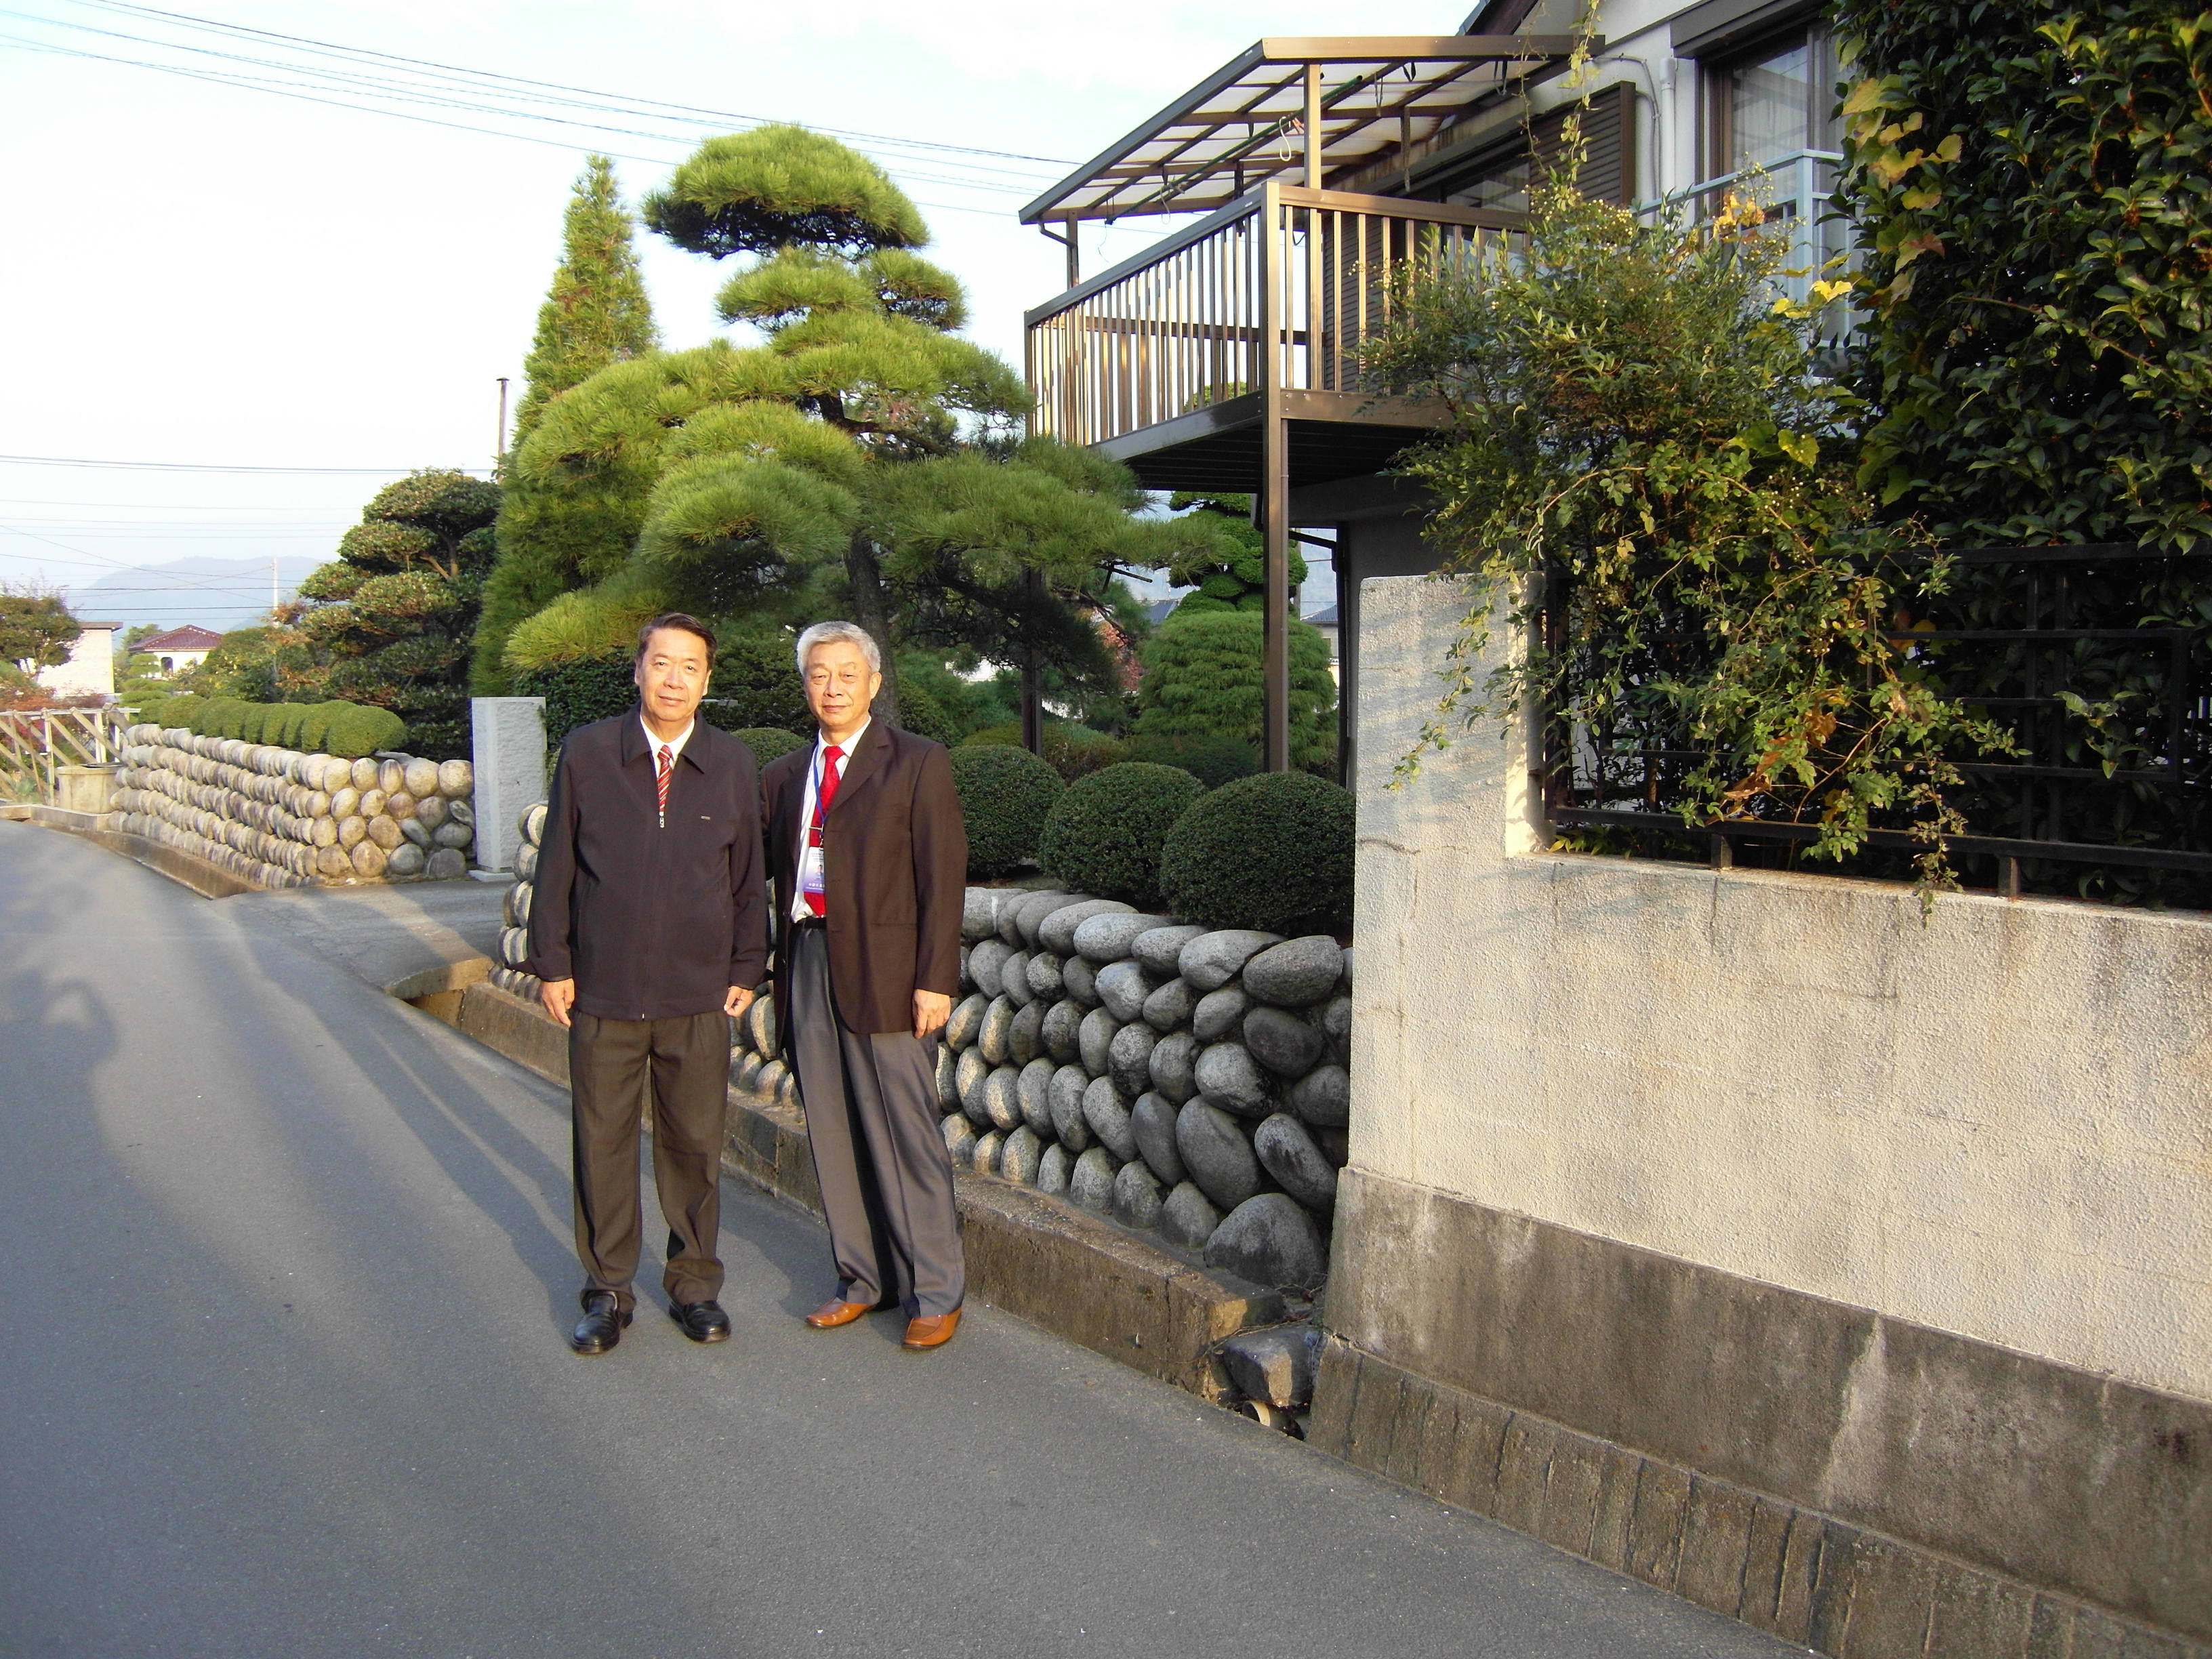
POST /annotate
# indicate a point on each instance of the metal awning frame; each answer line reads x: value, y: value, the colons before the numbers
x: 1293, y: 106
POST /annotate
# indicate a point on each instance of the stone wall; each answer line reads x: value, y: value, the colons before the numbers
x: 1896, y: 1226
x: 281, y: 818
x: 1190, y: 1084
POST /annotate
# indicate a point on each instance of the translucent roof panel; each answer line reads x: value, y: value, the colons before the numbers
x: 1245, y: 123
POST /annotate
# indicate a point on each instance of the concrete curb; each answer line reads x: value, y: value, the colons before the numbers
x: 1058, y: 1268
x: 186, y: 869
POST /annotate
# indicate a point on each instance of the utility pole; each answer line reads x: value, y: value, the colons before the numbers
x: 273, y: 593
x: 499, y: 449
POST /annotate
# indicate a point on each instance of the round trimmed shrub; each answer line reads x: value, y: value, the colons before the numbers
x: 922, y: 714
x: 315, y: 726
x: 291, y: 716
x: 362, y: 731
x: 212, y: 718
x: 1212, y: 757
x: 1270, y: 851
x: 1104, y: 835
x: 1005, y: 795
x: 768, y: 742
x: 253, y: 722
x: 176, y: 711
x: 1070, y: 750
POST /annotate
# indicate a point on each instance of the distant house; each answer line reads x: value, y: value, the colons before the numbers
x: 1324, y: 621
x: 89, y: 670
x: 179, y: 648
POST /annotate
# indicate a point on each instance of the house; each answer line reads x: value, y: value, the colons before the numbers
x: 1225, y: 356
x: 1839, y: 1266
x: 179, y: 648
x: 90, y: 669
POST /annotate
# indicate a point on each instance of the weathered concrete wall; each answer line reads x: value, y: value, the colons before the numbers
x: 1758, y: 1174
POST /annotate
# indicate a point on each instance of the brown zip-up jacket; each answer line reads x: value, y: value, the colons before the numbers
x: 651, y: 920
x: 895, y: 866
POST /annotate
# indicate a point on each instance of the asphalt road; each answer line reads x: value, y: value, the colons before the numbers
x: 282, y: 1373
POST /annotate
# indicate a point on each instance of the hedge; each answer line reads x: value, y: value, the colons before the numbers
x: 1070, y: 750
x: 769, y: 741
x: 1104, y: 836
x: 1270, y: 851
x: 1214, y: 758
x: 1005, y: 795
x: 345, y: 729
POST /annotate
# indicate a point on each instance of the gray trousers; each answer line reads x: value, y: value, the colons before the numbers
x: 872, y: 1118
x: 684, y: 1064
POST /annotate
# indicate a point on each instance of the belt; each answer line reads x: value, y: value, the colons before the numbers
x: 811, y: 922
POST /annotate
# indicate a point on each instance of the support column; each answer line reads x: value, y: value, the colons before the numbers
x: 1275, y: 479
x: 509, y: 752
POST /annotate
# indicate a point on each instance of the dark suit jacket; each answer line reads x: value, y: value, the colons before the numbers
x: 895, y: 853
x: 652, y: 923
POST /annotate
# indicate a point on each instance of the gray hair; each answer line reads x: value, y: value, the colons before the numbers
x: 823, y: 633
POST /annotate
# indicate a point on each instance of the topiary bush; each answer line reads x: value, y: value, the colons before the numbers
x: 922, y: 714
x: 1070, y: 750
x: 176, y: 711
x: 1214, y: 758
x: 1104, y: 835
x: 1005, y: 795
x: 589, y: 689
x: 315, y: 724
x: 1270, y: 851
x: 362, y: 731
x: 1202, y: 677
x: 768, y: 742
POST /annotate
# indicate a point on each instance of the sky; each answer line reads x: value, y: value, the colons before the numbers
x: 241, y: 274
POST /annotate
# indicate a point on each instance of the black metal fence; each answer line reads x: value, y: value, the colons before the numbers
x: 2097, y: 660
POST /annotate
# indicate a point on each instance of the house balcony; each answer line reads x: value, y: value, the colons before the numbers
x: 1176, y: 362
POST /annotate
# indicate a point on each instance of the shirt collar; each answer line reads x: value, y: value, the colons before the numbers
x: 847, y: 748
x: 674, y: 745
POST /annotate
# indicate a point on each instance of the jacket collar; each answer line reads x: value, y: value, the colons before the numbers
x: 635, y: 748
x: 868, y: 758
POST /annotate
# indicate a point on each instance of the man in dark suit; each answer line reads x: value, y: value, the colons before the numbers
x: 869, y: 854
x: 649, y: 929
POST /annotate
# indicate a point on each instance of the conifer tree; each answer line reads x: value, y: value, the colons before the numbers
x: 596, y: 312
x: 389, y: 622
x: 859, y: 434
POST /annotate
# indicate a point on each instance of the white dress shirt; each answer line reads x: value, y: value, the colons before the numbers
x: 674, y: 745
x: 810, y: 857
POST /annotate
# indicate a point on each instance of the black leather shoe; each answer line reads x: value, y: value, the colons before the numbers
x: 601, y: 1327
x: 702, y: 1322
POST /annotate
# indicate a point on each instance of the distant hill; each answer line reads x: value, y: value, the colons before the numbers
x: 209, y: 592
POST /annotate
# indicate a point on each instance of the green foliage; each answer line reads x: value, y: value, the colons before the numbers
x: 142, y: 684
x: 1005, y: 795
x: 758, y: 191
x: 2034, y: 184
x: 1105, y: 833
x: 179, y: 710
x: 757, y: 682
x: 767, y: 743
x: 967, y: 705
x: 35, y: 628
x: 391, y: 621
x: 243, y: 667
x: 1209, y: 758
x: 1229, y: 568
x: 1070, y: 750
x: 362, y: 731
x: 1271, y: 851
x: 1203, y: 678
x: 920, y: 713
x: 1643, y: 473
x: 579, y: 692
x: 596, y: 312
x: 315, y: 724
x: 857, y: 440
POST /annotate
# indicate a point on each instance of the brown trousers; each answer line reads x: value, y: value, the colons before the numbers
x: 871, y: 1123
x: 683, y: 1067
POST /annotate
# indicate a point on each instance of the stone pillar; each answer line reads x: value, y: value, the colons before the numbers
x: 509, y: 740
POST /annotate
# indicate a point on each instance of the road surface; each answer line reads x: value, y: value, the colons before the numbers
x: 289, y: 1266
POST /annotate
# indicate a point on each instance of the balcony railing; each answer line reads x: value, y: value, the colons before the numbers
x: 1278, y: 292
x: 1795, y: 189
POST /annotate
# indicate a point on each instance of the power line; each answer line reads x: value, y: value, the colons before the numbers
x: 333, y: 48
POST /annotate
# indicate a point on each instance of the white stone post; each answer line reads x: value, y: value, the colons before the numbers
x: 509, y: 738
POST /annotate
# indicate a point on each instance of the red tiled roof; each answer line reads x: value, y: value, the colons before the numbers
x: 187, y: 638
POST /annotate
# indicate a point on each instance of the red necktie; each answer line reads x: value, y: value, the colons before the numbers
x: 831, y: 754
x: 660, y: 782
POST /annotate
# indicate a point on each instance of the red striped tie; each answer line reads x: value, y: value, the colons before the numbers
x: 660, y: 782
x: 831, y: 754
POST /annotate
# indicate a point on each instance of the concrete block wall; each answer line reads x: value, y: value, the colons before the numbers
x: 1901, y: 1226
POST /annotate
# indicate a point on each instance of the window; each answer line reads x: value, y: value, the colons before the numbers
x: 1771, y: 104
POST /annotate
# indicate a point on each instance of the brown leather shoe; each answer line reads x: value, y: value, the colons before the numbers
x: 931, y: 1330
x: 834, y: 1312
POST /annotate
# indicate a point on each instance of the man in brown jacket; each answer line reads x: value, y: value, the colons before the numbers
x: 869, y: 856
x: 649, y: 929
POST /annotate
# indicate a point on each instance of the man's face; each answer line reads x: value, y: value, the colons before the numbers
x: 672, y: 676
x: 840, y: 684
